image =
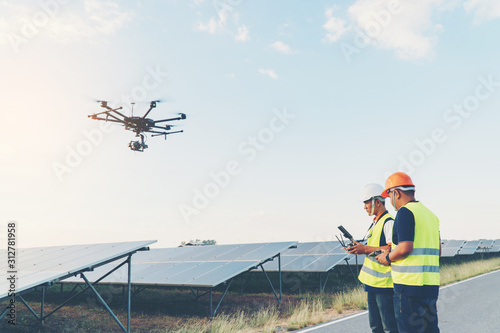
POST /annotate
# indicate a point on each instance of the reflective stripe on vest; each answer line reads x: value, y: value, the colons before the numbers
x: 421, y: 267
x: 416, y: 269
x: 373, y: 273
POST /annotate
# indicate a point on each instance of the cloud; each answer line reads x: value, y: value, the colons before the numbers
x: 406, y: 27
x: 197, y: 3
x: 226, y: 21
x: 215, y: 26
x: 269, y: 72
x: 64, y: 23
x: 281, y: 47
x: 484, y: 10
x: 334, y: 26
x: 242, y: 35
x: 106, y: 16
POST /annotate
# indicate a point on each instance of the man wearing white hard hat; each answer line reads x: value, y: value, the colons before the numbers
x: 377, y: 277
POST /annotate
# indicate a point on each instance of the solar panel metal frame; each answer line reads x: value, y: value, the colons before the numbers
x: 64, y: 270
x: 52, y: 269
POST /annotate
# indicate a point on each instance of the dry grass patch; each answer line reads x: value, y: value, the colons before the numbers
x: 350, y: 299
x: 455, y: 273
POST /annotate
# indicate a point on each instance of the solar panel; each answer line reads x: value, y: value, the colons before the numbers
x: 450, y: 248
x: 310, y: 257
x: 496, y: 246
x: 197, y: 266
x: 38, y: 266
x: 486, y: 245
x: 469, y: 248
x: 454, y: 243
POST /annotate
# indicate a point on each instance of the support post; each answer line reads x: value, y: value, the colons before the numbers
x: 357, y: 268
x: 326, y: 280
x: 350, y: 269
x: 4, y: 313
x: 29, y: 308
x: 43, y: 303
x: 279, y: 268
x: 222, y: 297
x: 129, y: 262
x: 211, y: 312
x: 270, y: 283
x: 104, y: 303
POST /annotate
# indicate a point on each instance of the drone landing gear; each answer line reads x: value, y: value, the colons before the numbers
x: 138, y: 145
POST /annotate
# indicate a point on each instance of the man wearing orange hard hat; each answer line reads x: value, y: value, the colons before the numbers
x: 414, y: 257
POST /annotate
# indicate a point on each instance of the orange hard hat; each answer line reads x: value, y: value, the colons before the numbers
x: 395, y: 180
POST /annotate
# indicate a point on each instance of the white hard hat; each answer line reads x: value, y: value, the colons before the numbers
x: 372, y: 191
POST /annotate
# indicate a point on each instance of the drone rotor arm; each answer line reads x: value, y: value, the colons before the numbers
x: 109, y: 113
x: 99, y: 113
x: 111, y: 120
x: 170, y: 119
x: 121, y: 114
x: 147, y: 112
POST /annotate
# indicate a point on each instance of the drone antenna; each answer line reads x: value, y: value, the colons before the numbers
x: 132, y: 108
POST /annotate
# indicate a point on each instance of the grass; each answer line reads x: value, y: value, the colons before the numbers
x: 164, y: 310
x: 459, y: 272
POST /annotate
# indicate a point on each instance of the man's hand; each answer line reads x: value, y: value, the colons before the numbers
x: 382, y: 258
x: 357, y: 249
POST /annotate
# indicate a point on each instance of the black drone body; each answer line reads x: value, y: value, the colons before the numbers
x: 138, y: 125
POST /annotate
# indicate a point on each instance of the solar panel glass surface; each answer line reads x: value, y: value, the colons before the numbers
x: 469, y: 248
x: 310, y: 257
x: 37, y: 266
x: 194, y: 266
x: 450, y: 248
x: 496, y: 246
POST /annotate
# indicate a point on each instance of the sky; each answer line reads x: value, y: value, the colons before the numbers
x: 292, y: 108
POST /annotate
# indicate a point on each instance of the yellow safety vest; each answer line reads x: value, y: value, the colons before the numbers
x: 421, y: 267
x: 373, y: 273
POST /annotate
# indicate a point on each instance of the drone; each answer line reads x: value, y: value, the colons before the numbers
x: 139, y: 125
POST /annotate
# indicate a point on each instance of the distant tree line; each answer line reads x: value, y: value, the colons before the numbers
x: 199, y: 242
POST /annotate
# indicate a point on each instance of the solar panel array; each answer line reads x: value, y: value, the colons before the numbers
x: 41, y: 265
x: 450, y: 248
x: 194, y: 266
x: 311, y: 257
